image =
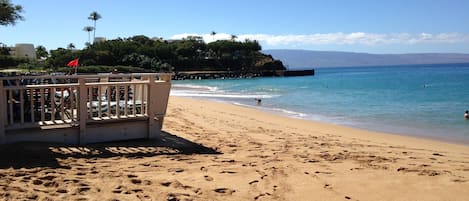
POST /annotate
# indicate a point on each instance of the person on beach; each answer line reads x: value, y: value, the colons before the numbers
x: 259, y: 101
x: 466, y: 115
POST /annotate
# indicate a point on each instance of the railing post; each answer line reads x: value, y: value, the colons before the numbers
x: 158, y: 93
x: 165, y: 77
x: 82, y: 109
x: 151, y: 106
x: 3, y: 113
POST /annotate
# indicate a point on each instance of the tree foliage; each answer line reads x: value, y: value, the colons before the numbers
x: 4, y: 50
x: 95, y: 16
x: 9, y: 13
x: 88, y: 29
x: 190, y: 53
x: 41, y: 52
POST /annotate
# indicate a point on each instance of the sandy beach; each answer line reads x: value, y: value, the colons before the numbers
x: 216, y: 151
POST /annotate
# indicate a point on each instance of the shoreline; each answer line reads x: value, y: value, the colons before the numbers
x: 329, y: 126
x: 281, y: 112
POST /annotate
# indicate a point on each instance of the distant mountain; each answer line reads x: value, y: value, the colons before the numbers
x: 310, y: 59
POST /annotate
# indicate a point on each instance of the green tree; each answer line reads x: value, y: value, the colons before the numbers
x: 233, y: 37
x: 95, y: 16
x: 9, y: 13
x: 190, y: 53
x: 88, y: 29
x: 142, y: 40
x: 4, y: 50
x: 41, y: 52
x: 213, y: 33
x: 60, y: 57
x: 70, y: 46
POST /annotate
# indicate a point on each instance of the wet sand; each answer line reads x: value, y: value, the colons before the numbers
x: 215, y: 151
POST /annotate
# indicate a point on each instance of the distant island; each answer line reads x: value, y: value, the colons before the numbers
x: 307, y: 59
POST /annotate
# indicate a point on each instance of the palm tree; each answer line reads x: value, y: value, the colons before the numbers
x: 88, y: 29
x: 41, y: 52
x: 95, y: 16
x: 233, y: 37
x: 213, y: 35
x: 71, y: 46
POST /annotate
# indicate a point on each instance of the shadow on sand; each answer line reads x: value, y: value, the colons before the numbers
x: 39, y: 154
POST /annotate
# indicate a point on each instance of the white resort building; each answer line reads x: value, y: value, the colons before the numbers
x: 23, y: 50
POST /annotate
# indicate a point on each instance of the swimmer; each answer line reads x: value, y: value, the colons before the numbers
x: 259, y: 101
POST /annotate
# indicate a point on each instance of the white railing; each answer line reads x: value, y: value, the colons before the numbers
x: 73, y: 101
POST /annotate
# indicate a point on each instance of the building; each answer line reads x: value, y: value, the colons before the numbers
x: 99, y: 39
x: 23, y: 50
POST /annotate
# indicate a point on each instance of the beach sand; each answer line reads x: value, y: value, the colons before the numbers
x: 216, y: 151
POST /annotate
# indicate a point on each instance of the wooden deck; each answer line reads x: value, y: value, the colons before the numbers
x: 82, y: 109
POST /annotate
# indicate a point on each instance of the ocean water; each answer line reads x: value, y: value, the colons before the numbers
x: 419, y: 100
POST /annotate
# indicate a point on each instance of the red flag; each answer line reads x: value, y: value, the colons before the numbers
x: 73, y: 63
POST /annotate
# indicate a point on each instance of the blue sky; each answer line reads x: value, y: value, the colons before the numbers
x: 373, y: 26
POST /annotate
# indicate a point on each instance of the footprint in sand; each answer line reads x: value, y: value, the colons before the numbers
x: 166, y: 183
x: 228, y: 161
x: 37, y: 182
x: 227, y: 172
x: 143, y: 197
x: 261, y: 195
x: 253, y: 182
x: 61, y: 190
x: 177, y: 170
x: 263, y: 174
x: 208, y: 178
x: 136, y: 181
x: 224, y: 190
x: 48, y: 177
x: 137, y: 190
x: 26, y: 179
x: 81, y: 174
x: 32, y: 196
x: 83, y: 189
x: 51, y: 184
x: 175, y: 184
x: 118, y: 189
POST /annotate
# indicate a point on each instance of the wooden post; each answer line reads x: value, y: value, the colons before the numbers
x: 151, y: 106
x: 3, y: 113
x: 158, y: 102
x: 82, y: 109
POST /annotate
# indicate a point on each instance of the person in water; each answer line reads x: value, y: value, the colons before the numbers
x: 259, y: 101
x: 466, y: 115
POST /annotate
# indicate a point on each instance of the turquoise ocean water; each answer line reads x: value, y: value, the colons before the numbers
x: 419, y: 100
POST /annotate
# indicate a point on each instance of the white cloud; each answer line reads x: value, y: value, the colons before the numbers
x: 357, y: 38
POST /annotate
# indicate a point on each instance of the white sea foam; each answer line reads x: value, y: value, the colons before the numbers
x: 188, y: 93
x: 194, y: 87
x: 290, y: 112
